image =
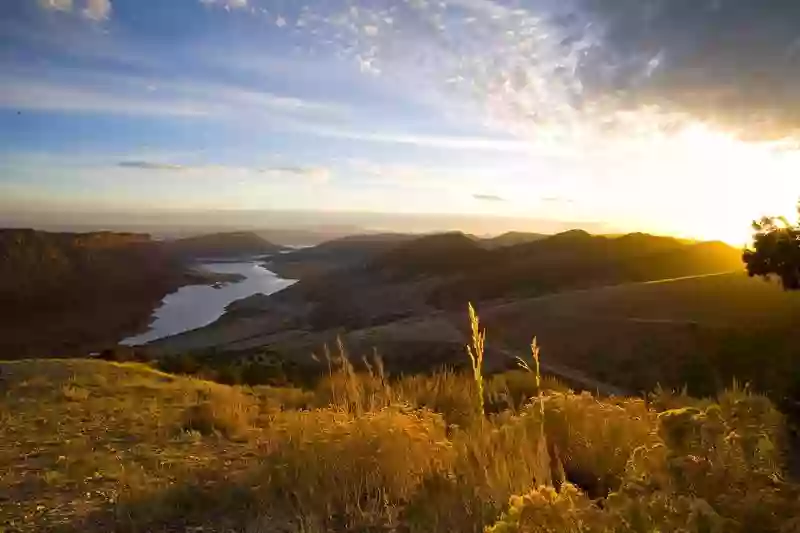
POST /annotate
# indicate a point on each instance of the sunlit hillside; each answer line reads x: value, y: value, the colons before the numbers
x: 92, y: 446
x: 701, y: 331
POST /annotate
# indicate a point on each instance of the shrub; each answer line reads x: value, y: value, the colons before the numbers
x: 351, y: 391
x: 703, y: 467
x: 446, y: 392
x: 220, y: 409
x: 515, y: 388
x: 730, y: 454
x: 284, y: 398
x: 337, y: 469
x: 545, y: 510
x: 490, y: 462
x: 595, y: 439
x: 74, y: 393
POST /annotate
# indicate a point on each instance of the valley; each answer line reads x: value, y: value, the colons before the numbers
x: 69, y: 294
x: 631, y: 312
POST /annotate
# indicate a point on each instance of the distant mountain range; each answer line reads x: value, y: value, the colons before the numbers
x: 393, y: 287
x: 65, y: 292
x: 466, y: 270
x: 511, y: 238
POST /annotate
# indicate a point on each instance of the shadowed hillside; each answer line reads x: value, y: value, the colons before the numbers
x: 701, y: 332
x: 223, y: 245
x: 347, y: 252
x: 511, y: 238
x: 65, y: 293
x: 407, y: 302
x: 575, y: 260
x: 440, y: 255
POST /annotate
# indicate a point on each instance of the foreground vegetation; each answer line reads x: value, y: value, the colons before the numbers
x: 104, y: 446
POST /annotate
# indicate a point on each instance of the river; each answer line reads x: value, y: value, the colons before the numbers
x: 195, y: 306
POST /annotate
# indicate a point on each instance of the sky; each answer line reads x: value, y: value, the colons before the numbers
x: 669, y: 116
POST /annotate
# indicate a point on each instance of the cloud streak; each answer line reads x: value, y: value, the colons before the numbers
x: 446, y: 142
x: 313, y: 174
x: 488, y: 198
x: 127, y: 95
x: 150, y: 165
x: 226, y: 4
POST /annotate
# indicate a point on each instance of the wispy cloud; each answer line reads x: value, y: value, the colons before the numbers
x: 96, y: 10
x: 430, y: 141
x: 556, y: 200
x: 226, y: 4
x: 56, y: 5
x: 488, y: 197
x: 150, y: 165
x: 91, y: 92
x: 132, y: 96
x: 33, y: 95
x: 314, y: 174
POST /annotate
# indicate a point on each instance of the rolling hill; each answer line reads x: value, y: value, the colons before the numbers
x: 566, y: 261
x: 700, y: 331
x: 511, y: 238
x: 68, y: 293
x: 223, y: 245
x: 346, y: 252
x: 409, y: 302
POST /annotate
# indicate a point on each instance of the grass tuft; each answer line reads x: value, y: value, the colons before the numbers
x: 225, y: 411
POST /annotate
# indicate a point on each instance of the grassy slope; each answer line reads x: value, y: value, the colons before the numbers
x: 92, y: 446
x: 635, y: 335
x: 77, y: 436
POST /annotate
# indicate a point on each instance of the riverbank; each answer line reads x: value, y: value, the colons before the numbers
x: 196, y: 306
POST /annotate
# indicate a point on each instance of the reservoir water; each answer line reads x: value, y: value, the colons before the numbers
x: 195, y: 306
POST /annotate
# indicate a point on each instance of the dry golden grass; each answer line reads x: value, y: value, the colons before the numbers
x: 92, y: 446
x: 80, y: 438
x: 226, y: 411
x: 339, y: 470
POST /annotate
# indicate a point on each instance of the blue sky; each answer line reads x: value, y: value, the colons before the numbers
x: 540, y: 109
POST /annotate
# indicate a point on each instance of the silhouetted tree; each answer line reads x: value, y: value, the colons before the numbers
x: 775, y: 251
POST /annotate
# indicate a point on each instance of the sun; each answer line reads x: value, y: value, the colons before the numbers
x: 721, y: 184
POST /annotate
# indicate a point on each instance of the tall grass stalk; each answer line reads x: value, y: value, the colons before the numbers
x: 546, y: 450
x: 476, y: 355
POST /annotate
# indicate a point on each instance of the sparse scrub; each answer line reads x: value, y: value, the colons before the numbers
x: 220, y: 410
x: 596, y: 438
x: 707, y: 469
x: 342, y: 470
x: 446, y: 392
x: 490, y: 462
x: 351, y: 391
x: 517, y: 387
x: 138, y: 450
x: 74, y: 393
x: 284, y: 398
